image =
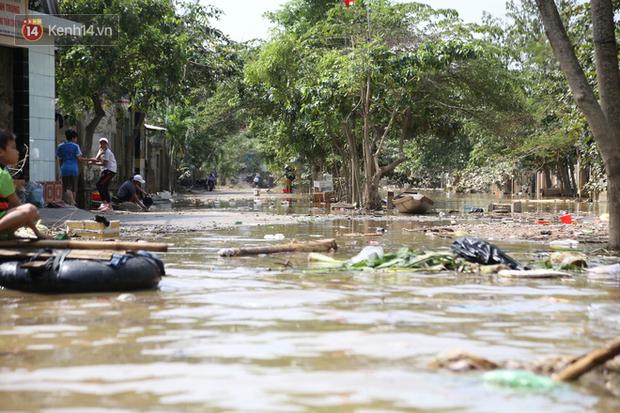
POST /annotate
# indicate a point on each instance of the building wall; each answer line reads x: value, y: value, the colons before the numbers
x: 42, y: 111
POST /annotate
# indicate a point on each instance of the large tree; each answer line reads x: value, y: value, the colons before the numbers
x: 361, y: 82
x: 602, y: 112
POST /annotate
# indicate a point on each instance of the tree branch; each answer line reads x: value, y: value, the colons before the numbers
x: 92, y: 125
x: 391, y: 166
x: 385, y: 133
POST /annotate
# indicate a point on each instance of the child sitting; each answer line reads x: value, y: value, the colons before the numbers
x: 13, y: 214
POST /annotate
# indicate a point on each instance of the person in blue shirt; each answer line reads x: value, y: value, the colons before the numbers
x: 70, y: 154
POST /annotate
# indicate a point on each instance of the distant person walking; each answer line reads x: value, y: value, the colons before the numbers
x: 211, y: 181
x: 105, y: 158
x: 69, y: 154
x: 289, y: 173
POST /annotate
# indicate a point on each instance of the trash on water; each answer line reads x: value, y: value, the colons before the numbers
x: 564, y: 244
x: 374, y: 258
x: 519, y: 380
x: 127, y: 298
x: 566, y: 219
x: 461, y: 361
x: 567, y: 260
x: 543, y: 222
x: 539, y: 273
x: 367, y: 254
x: 274, y: 237
x: 324, y: 259
x: 479, y: 251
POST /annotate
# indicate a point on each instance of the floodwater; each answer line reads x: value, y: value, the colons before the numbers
x: 263, y: 334
x: 444, y: 201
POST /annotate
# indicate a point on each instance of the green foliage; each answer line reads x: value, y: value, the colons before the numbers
x: 426, y: 70
x: 551, y: 132
x: 143, y: 62
x: 480, y: 102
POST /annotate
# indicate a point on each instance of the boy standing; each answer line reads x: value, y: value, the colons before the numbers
x: 13, y: 214
x: 69, y: 153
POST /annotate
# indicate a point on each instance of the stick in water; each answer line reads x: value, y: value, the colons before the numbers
x: 324, y: 245
x: 589, y: 361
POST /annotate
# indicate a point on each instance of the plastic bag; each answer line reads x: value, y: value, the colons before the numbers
x: 481, y: 252
x: 34, y: 194
x: 367, y: 254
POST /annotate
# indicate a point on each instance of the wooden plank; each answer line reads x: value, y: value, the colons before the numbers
x: 325, y: 245
x: 85, y: 245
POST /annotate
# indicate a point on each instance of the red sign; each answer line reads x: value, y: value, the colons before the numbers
x: 32, y: 30
x: 347, y: 3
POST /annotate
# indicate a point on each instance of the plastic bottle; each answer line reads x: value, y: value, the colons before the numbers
x: 564, y: 244
x: 519, y: 379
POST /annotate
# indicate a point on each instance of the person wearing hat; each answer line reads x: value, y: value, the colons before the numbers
x: 69, y: 154
x: 131, y: 191
x: 106, y: 159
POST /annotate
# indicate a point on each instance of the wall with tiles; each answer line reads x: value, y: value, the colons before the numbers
x: 42, y: 111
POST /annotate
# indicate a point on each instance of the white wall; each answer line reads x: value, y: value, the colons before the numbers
x: 42, y: 110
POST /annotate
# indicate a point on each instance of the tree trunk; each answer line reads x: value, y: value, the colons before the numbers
x: 547, y: 176
x: 83, y: 195
x: 354, y: 166
x: 572, y: 179
x: 603, y: 118
x: 92, y: 125
x: 372, y: 200
x: 567, y: 188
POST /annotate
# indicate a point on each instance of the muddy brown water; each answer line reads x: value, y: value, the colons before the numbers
x: 261, y: 334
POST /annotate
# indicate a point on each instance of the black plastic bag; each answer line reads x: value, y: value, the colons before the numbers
x: 147, y: 201
x: 481, y: 252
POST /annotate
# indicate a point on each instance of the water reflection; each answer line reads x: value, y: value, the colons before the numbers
x: 444, y: 201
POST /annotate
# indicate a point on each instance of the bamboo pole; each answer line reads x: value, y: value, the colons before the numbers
x: 324, y: 245
x: 589, y: 361
x: 86, y: 245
